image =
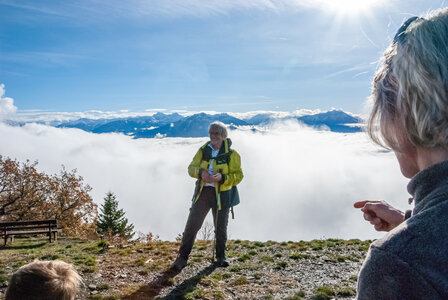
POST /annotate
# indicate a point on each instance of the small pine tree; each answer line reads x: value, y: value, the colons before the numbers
x: 111, y: 220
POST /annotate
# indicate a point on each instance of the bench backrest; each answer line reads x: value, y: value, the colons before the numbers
x: 24, y: 225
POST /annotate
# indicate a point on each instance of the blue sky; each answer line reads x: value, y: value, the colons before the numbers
x: 226, y: 55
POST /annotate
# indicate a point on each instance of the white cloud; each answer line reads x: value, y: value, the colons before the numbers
x: 205, y: 8
x: 48, y: 117
x: 276, y: 114
x: 218, y: 7
x: 299, y: 183
x: 7, y: 106
x: 152, y: 110
x: 169, y: 8
x: 43, y: 58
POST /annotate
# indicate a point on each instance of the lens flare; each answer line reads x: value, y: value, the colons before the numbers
x: 349, y: 7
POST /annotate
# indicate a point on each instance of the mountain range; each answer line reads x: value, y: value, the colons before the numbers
x: 176, y: 125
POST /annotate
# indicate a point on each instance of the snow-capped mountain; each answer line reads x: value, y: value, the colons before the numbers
x: 176, y: 125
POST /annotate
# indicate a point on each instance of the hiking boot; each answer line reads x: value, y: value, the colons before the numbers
x: 179, y: 264
x: 222, y: 262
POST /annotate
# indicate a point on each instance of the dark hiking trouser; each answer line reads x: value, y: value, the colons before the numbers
x: 198, y: 212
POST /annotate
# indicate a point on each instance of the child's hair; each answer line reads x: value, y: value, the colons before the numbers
x: 39, y: 280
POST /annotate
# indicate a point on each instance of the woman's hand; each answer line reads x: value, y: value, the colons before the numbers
x: 217, y: 177
x: 380, y: 214
x: 206, y: 177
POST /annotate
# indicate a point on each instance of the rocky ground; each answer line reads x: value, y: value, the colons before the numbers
x: 318, y: 269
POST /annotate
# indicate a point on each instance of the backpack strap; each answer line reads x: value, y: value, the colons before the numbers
x: 222, y: 157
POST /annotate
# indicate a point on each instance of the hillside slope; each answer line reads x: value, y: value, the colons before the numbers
x: 318, y: 269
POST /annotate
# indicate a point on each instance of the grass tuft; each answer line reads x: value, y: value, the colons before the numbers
x: 240, y: 281
x: 297, y: 296
x: 323, y: 293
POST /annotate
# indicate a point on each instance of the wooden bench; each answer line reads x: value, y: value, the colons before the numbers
x: 11, y: 229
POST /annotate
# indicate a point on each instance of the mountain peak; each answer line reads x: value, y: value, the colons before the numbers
x: 196, y: 125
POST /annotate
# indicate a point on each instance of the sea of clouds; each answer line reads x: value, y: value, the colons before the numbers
x: 299, y: 183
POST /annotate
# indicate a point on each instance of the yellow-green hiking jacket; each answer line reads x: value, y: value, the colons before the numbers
x: 228, y: 163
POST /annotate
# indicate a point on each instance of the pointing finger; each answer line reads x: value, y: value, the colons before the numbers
x: 361, y: 204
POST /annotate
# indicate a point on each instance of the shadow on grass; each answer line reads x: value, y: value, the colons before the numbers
x: 36, y: 242
x: 22, y: 246
x: 152, y: 289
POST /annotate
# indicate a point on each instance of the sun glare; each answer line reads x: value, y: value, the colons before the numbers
x: 349, y: 7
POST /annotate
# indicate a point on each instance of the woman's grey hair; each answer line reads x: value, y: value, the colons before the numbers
x: 219, y: 126
x: 410, y: 89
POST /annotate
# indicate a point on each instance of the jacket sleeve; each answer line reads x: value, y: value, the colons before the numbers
x: 235, y: 174
x: 384, y: 275
x: 194, y: 167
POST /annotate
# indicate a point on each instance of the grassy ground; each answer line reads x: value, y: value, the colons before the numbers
x: 318, y: 269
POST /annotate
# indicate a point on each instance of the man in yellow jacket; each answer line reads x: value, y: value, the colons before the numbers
x: 217, y: 168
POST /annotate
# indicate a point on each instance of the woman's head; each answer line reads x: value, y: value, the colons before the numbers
x: 218, y: 133
x: 410, y: 90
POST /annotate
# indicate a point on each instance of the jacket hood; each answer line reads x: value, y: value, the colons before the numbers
x: 227, y: 141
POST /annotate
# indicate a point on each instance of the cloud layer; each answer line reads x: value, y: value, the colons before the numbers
x: 299, y: 183
x: 172, y: 8
x: 7, y: 106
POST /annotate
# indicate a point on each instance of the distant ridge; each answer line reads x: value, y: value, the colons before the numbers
x: 335, y: 120
x: 192, y: 126
x: 176, y: 125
